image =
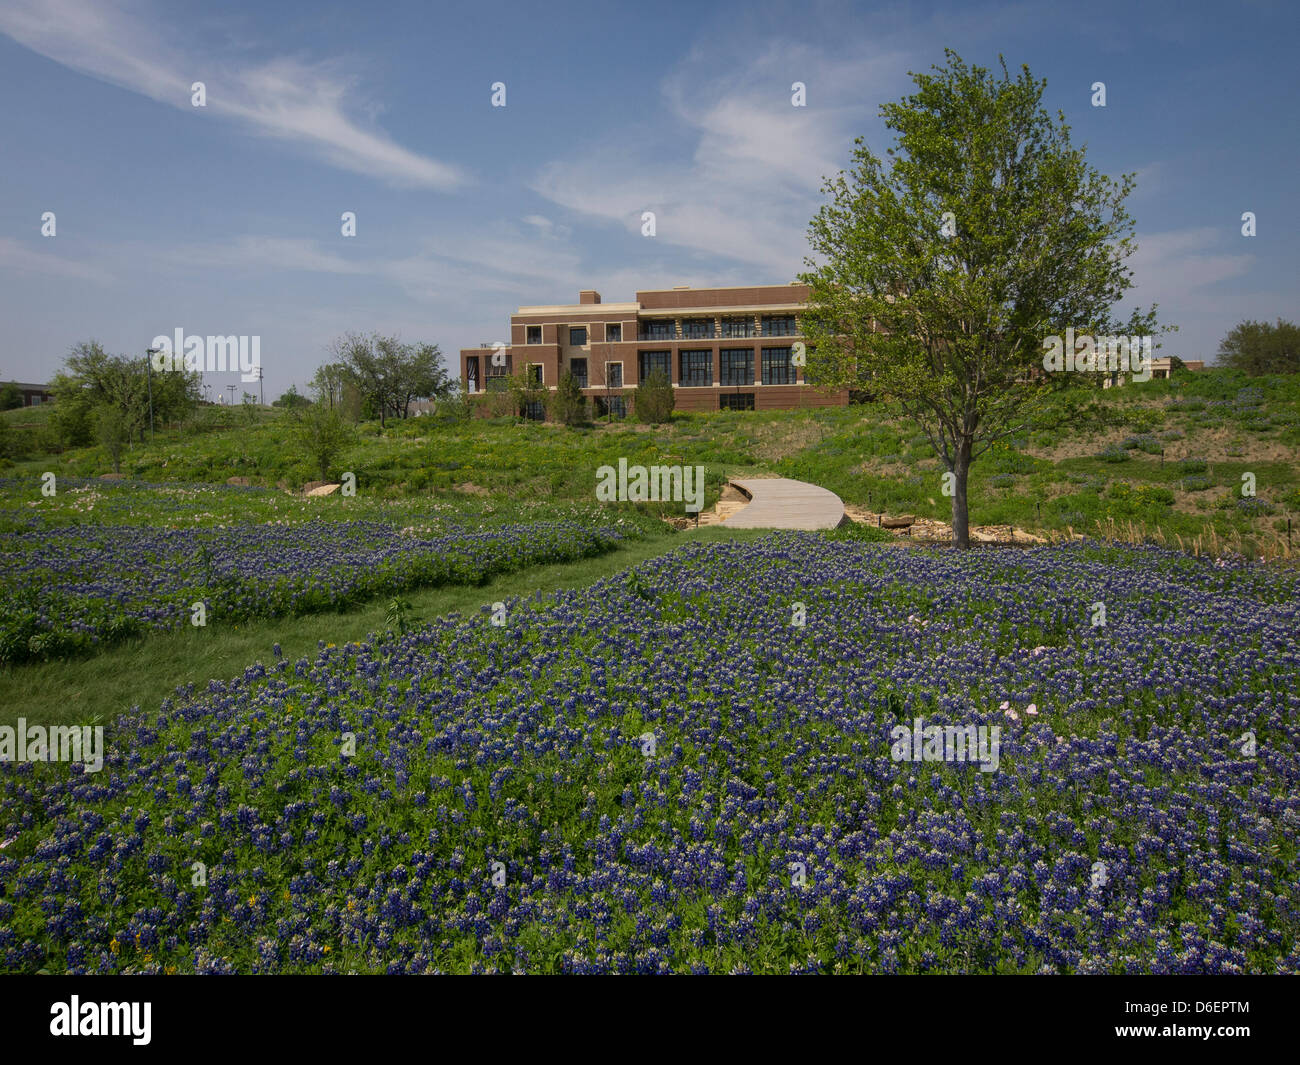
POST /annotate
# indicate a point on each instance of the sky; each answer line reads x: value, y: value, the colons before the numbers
x: 227, y: 218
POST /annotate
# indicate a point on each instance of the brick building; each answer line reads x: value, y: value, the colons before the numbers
x: 722, y: 348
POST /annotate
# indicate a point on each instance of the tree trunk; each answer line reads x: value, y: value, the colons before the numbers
x: 960, y: 519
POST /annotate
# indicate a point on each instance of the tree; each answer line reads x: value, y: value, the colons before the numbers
x: 1260, y: 348
x: 390, y: 374
x: 10, y: 397
x: 293, y: 399
x: 328, y: 382
x: 524, y: 390
x: 92, y: 378
x: 113, y: 428
x: 323, y: 436
x: 653, y: 399
x: 938, y: 278
x: 570, y: 405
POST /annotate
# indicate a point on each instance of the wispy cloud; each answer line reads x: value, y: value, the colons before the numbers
x: 288, y: 99
x: 17, y: 257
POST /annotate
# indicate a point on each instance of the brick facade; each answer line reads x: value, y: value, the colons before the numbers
x: 714, y: 326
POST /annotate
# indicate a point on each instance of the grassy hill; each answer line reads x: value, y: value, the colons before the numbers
x: 1163, y: 459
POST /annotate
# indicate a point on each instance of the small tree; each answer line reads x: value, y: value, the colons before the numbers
x: 113, y: 430
x: 1260, y: 348
x: 292, y: 400
x: 10, y: 397
x: 569, y: 405
x: 323, y: 435
x: 940, y: 275
x: 653, y: 400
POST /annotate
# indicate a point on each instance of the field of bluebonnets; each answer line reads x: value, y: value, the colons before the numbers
x: 502, y: 809
x: 99, y: 564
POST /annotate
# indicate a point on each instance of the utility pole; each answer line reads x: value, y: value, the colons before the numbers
x: 231, y: 390
x: 261, y: 395
x: 148, y: 363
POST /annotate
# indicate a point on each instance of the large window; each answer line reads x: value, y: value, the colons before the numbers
x: 776, y: 367
x: 736, y: 326
x: 614, y: 374
x: 658, y: 329
x: 654, y: 360
x: 737, y: 366
x: 496, y: 382
x: 533, y: 334
x: 697, y: 368
x: 614, y: 332
x: 535, y: 410
x: 736, y: 401
x: 779, y: 325
x: 697, y: 328
x: 471, y: 373
x: 535, y: 375
x: 578, y: 336
x: 578, y: 367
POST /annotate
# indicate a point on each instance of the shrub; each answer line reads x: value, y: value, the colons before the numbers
x: 1113, y: 454
x: 569, y: 405
x: 1186, y: 466
x: 654, y: 400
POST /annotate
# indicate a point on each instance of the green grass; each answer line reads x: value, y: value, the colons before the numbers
x: 141, y: 673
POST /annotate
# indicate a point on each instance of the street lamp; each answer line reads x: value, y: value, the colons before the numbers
x: 148, y: 362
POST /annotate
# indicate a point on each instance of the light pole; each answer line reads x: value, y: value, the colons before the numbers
x: 261, y: 395
x: 231, y: 390
x: 148, y: 362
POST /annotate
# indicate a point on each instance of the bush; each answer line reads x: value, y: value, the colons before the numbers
x: 653, y: 400
x: 1113, y: 454
x: 1186, y: 466
x: 569, y: 405
x: 1196, y: 482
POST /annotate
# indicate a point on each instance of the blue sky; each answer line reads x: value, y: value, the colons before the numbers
x: 226, y: 219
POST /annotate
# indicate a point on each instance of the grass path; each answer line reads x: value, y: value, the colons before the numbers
x: 143, y: 672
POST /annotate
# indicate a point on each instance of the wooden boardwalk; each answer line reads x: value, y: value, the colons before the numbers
x: 780, y: 503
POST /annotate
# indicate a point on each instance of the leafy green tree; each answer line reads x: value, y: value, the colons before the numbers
x: 937, y: 276
x: 293, y: 399
x: 1260, y: 348
x: 10, y: 397
x: 569, y: 404
x: 653, y: 400
x: 390, y: 374
x: 323, y: 435
x: 113, y: 429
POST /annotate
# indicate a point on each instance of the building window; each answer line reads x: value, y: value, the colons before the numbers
x: 737, y: 366
x: 496, y: 382
x: 776, y: 367
x: 533, y: 334
x: 697, y: 368
x: 614, y: 332
x: 736, y: 326
x: 535, y: 374
x: 578, y: 367
x: 779, y: 325
x: 654, y: 360
x: 697, y: 328
x: 658, y: 329
x: 535, y: 410
x: 614, y: 374
x: 578, y: 336
x: 471, y: 372
x: 736, y: 401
